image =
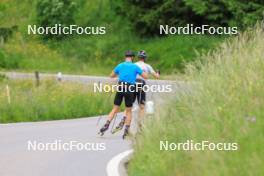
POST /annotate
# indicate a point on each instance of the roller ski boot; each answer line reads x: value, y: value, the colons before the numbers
x: 104, y: 128
x: 119, y: 126
x: 126, y: 132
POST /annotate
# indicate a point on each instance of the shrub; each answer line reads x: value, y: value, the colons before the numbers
x: 51, y: 12
x: 147, y: 15
x: 9, y: 61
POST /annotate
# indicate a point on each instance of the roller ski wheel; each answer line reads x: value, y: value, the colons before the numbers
x: 101, y: 133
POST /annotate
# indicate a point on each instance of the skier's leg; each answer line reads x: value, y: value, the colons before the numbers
x: 127, y: 122
x: 109, y: 119
x: 129, y: 99
x: 117, y: 102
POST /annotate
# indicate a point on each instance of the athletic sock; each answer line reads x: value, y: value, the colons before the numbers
x: 124, y: 118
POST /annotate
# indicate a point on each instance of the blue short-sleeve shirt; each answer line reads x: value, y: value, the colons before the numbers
x: 127, y: 72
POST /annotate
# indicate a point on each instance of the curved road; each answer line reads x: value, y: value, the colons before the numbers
x: 17, y: 160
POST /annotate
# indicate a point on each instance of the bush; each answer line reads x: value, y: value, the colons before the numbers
x: 147, y: 15
x: 228, y: 12
x: 51, y: 12
x: 10, y: 61
x: 3, y: 77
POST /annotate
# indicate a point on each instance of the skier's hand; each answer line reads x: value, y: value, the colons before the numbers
x: 157, y: 75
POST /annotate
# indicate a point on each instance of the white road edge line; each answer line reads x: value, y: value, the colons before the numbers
x: 112, y: 167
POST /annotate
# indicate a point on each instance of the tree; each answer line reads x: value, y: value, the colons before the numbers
x: 51, y: 12
x: 147, y: 15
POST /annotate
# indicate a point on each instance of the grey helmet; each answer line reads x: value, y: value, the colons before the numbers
x: 142, y: 54
x: 129, y: 53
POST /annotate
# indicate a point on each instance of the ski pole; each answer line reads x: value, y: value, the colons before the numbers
x: 99, y: 119
x: 113, y: 123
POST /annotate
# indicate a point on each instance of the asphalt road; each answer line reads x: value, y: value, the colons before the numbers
x: 17, y: 160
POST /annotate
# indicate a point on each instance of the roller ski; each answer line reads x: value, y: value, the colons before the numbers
x: 120, y: 126
x: 104, y: 128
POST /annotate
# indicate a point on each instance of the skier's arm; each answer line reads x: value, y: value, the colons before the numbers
x: 154, y: 73
x: 113, y: 74
x: 144, y: 75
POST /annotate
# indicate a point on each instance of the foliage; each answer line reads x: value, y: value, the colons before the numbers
x: 225, y: 104
x: 94, y: 55
x: 147, y: 15
x: 51, y: 12
x: 9, y: 61
x: 50, y: 101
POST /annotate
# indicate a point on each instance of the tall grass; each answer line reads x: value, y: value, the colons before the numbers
x: 50, y: 101
x: 225, y: 105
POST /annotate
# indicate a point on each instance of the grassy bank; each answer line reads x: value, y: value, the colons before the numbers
x: 50, y: 101
x: 226, y: 105
x: 93, y: 55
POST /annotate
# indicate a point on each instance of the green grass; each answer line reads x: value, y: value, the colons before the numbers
x: 226, y: 97
x: 93, y: 55
x: 50, y: 101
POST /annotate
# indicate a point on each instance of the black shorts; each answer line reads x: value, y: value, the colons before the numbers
x: 124, y: 94
x: 140, y: 95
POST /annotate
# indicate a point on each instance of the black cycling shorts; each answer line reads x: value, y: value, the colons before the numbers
x: 140, y: 95
x: 124, y: 94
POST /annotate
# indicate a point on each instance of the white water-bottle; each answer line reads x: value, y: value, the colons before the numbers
x: 149, y: 107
